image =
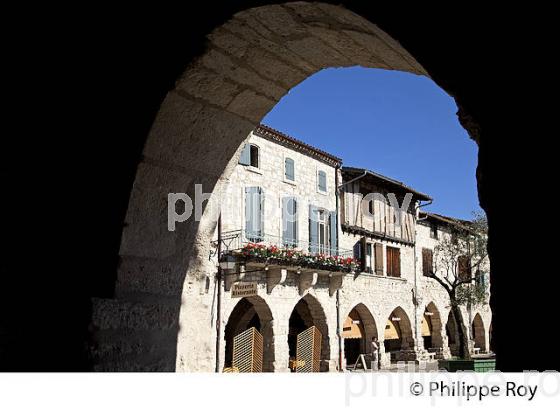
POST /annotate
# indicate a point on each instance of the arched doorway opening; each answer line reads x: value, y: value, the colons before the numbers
x: 431, y: 329
x: 398, y: 337
x: 357, y: 331
x: 452, y: 334
x: 250, y: 312
x: 307, y: 313
x: 478, y: 333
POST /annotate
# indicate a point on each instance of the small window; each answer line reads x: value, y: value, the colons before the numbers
x: 464, y: 268
x: 433, y: 231
x: 370, y: 207
x: 250, y: 155
x: 427, y: 261
x: 480, y: 278
x: 322, y: 181
x: 393, y: 262
x: 289, y: 169
x: 369, y: 258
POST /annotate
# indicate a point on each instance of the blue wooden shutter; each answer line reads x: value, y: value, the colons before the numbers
x: 245, y: 158
x: 289, y: 171
x: 322, y: 181
x: 313, y: 230
x: 289, y: 221
x: 333, y: 232
x: 254, y: 208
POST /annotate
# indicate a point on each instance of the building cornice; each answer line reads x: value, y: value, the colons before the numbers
x: 278, y: 137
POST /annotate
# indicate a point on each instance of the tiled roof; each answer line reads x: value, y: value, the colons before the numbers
x: 293, y: 143
x: 448, y: 220
x: 387, y: 180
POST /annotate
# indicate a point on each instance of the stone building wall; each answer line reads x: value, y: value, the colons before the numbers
x: 270, y: 176
x: 377, y: 296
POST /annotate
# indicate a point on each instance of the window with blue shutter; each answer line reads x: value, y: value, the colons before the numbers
x: 289, y: 222
x: 289, y: 169
x: 322, y: 181
x: 480, y: 278
x: 313, y: 229
x: 254, y: 214
x: 249, y: 155
x: 245, y: 158
x: 333, y: 234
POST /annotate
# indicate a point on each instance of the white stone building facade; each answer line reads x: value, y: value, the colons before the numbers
x: 387, y: 296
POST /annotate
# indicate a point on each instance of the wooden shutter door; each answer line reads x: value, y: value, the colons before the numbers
x: 378, y: 249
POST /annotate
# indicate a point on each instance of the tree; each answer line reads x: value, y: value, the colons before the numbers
x: 456, y: 257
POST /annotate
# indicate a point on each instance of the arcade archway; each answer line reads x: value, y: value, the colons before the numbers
x: 251, y: 312
x: 431, y: 329
x: 357, y: 331
x: 478, y: 333
x: 308, y: 313
x: 398, y: 337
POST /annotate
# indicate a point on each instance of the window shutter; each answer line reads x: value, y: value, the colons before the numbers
x: 261, y: 211
x: 378, y: 249
x: 289, y: 221
x: 463, y: 267
x: 289, y: 171
x: 389, y: 261
x: 358, y: 251
x: 397, y: 263
x: 254, y: 208
x: 313, y: 230
x: 363, y: 254
x: 333, y: 232
x: 245, y: 158
x: 393, y: 262
x: 427, y: 261
x: 481, y: 278
x: 322, y: 181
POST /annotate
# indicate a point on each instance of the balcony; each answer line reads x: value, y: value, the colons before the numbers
x: 246, y: 252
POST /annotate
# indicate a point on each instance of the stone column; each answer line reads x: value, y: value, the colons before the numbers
x: 281, y: 350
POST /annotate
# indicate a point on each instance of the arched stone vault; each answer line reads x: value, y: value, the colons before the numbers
x: 238, y: 319
x: 436, y: 325
x: 250, y: 62
x: 312, y: 313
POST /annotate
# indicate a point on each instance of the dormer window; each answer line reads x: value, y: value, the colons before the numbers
x: 250, y: 156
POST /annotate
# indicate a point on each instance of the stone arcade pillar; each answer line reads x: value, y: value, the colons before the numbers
x: 281, y: 350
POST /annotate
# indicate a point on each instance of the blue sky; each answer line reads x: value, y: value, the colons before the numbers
x: 398, y: 124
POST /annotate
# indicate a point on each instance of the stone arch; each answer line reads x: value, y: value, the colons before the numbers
x: 308, y: 312
x: 249, y: 63
x: 251, y: 312
x: 398, y: 334
x: 367, y: 328
x: 478, y: 333
x: 432, y: 328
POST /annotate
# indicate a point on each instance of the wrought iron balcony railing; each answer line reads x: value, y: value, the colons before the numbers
x: 239, y: 239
